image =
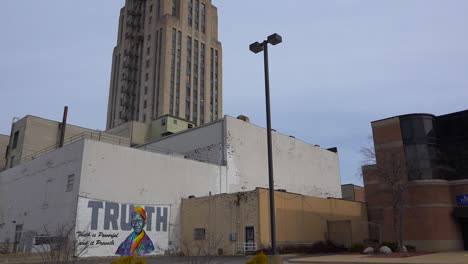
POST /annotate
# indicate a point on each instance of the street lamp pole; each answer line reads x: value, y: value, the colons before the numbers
x: 256, y: 48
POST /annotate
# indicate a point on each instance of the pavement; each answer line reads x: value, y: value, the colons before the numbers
x: 459, y: 257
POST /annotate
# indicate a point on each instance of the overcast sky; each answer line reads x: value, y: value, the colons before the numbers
x: 342, y: 64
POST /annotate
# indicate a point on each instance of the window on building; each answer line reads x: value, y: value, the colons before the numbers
x: 144, y: 118
x: 199, y: 234
x: 163, y: 122
x: 150, y: 19
x: 146, y: 89
x: 197, y: 13
x: 70, y: 181
x: 174, y: 7
x: 173, y: 71
x: 174, y: 121
x: 190, y: 8
x: 159, y: 7
x: 144, y: 104
x: 147, y: 63
x: 203, y: 18
x: 179, y: 50
x: 151, y: 8
x: 15, y: 139
x: 146, y: 76
x: 12, y: 161
x: 148, y: 50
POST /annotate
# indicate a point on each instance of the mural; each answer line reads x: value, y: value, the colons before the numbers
x: 137, y: 243
x: 108, y: 228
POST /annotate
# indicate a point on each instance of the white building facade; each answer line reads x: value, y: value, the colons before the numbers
x: 93, y: 186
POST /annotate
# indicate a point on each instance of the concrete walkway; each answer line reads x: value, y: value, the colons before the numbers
x: 459, y: 257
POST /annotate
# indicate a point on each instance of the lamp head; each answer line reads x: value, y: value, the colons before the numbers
x: 256, y: 47
x: 275, y: 39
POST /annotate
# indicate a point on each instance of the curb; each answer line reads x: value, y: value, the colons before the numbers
x: 360, y: 262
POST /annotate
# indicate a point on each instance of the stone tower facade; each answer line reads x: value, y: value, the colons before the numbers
x: 168, y: 61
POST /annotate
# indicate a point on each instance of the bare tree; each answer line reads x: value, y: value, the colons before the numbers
x: 202, y: 251
x: 392, y: 169
x: 61, y: 246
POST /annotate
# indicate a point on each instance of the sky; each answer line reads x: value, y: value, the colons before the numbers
x: 342, y: 64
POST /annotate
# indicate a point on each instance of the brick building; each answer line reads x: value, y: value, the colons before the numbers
x: 434, y: 151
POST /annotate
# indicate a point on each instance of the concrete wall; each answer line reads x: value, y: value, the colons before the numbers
x: 123, y: 175
x: 203, y: 143
x: 353, y: 192
x: 298, y: 166
x: 4, y: 142
x: 347, y: 192
x: 34, y: 194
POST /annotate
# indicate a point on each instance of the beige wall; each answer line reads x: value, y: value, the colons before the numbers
x: 139, y: 133
x: 4, y: 141
x: 300, y: 219
x: 157, y: 129
x: 303, y: 219
x: 36, y: 135
x: 220, y: 215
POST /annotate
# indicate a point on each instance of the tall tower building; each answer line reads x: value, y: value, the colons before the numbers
x: 167, y: 62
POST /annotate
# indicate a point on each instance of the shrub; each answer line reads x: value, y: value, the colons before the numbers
x: 260, y: 258
x: 357, y: 248
x: 392, y: 245
x: 410, y: 248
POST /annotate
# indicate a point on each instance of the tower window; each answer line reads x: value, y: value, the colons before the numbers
x: 15, y: 140
x: 190, y: 13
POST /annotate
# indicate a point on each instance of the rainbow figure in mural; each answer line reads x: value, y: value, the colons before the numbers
x: 137, y: 243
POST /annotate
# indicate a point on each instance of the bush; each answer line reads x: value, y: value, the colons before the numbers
x: 410, y: 248
x: 260, y: 258
x: 357, y: 248
x: 392, y: 245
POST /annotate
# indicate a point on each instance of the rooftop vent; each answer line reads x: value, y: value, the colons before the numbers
x: 244, y: 118
x: 334, y: 149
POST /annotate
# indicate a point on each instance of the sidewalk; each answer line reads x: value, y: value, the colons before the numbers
x: 458, y: 257
x: 34, y: 258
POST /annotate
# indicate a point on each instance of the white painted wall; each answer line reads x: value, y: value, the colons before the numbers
x: 203, y: 143
x: 34, y: 194
x: 132, y: 176
x: 299, y: 167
